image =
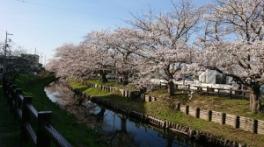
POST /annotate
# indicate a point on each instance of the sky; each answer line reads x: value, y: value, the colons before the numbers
x: 44, y: 25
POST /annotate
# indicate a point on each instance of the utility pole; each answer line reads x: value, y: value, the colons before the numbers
x: 44, y: 60
x: 5, y: 51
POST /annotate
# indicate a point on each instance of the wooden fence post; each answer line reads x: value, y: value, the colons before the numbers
x: 25, y: 118
x: 43, y: 139
x: 230, y: 92
x: 178, y: 106
x: 237, y: 122
x: 12, y: 97
x: 197, y: 114
x: 17, y: 92
x: 187, y: 109
x: 223, y: 118
x: 255, y: 126
x: 210, y: 115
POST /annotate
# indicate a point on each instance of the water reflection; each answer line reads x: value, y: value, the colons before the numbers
x: 123, y: 131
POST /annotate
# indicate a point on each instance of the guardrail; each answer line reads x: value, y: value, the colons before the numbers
x: 45, y: 133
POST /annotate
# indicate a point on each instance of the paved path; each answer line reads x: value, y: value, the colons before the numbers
x: 9, y: 126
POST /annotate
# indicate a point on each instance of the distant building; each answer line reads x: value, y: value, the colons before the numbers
x: 33, y: 58
x: 25, y: 63
x: 214, y: 77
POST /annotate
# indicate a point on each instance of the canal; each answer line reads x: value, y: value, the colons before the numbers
x: 120, y: 129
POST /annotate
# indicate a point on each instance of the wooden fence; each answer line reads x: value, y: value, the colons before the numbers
x: 45, y: 133
x: 210, y: 90
x: 235, y: 121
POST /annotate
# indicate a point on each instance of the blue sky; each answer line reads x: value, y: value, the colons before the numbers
x: 47, y: 24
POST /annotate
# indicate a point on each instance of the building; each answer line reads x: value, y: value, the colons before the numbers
x: 25, y: 63
x: 214, y: 77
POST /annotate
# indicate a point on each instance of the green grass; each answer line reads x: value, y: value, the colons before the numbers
x: 112, y: 83
x: 76, y: 133
x: 9, y: 125
x: 95, y: 92
x: 87, y: 90
x: 227, y: 105
x: 223, y: 104
x: 108, y: 83
x: 77, y: 85
x: 163, y: 109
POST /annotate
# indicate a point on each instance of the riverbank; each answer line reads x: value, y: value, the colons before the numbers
x: 121, y: 128
x: 231, y: 105
x: 77, y: 133
x: 162, y: 110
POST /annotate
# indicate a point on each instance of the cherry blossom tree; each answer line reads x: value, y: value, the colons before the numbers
x: 71, y: 61
x: 242, y: 57
x: 92, y: 56
x: 126, y: 47
x: 166, y: 47
x: 232, y: 59
x: 52, y: 65
x: 99, y: 55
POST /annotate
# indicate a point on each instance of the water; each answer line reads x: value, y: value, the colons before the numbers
x: 122, y: 131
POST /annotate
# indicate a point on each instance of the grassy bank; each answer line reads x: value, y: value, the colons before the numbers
x: 77, y: 134
x: 223, y: 104
x: 162, y: 109
x: 98, y: 82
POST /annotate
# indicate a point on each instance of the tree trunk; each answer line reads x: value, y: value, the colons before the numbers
x: 255, y: 99
x: 125, y: 79
x: 103, y: 77
x: 171, y: 88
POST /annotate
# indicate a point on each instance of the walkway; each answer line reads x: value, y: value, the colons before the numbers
x: 9, y: 126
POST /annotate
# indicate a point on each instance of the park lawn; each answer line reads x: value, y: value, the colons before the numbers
x: 77, y: 85
x: 217, y: 103
x: 98, y: 82
x: 162, y: 108
x: 76, y: 133
x: 95, y: 92
x: 227, y: 105
x: 109, y: 83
